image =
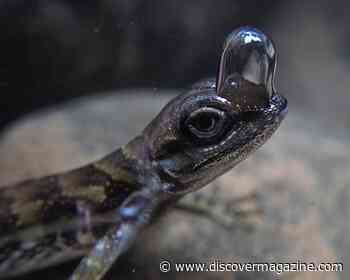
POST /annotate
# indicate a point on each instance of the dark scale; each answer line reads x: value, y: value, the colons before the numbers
x: 116, y: 193
x: 59, y: 207
x: 196, y: 137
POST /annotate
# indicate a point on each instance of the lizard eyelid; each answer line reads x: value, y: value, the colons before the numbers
x: 205, y: 124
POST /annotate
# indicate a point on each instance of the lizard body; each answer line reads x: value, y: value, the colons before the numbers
x: 197, y: 136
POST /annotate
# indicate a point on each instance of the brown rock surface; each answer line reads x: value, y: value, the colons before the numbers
x: 295, y: 188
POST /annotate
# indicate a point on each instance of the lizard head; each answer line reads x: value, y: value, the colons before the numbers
x: 203, y: 133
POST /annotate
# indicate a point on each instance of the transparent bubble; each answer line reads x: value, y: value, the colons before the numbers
x: 209, y: 83
x: 247, y: 68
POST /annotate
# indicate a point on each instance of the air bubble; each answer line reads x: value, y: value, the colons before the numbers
x: 247, y: 68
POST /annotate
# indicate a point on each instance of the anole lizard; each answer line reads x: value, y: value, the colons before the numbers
x: 197, y: 137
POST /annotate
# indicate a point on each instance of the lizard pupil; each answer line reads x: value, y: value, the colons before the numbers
x: 205, y: 122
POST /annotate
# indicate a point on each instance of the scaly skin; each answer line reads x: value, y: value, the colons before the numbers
x: 197, y: 137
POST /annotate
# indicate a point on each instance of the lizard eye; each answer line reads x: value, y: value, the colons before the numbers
x: 205, y: 124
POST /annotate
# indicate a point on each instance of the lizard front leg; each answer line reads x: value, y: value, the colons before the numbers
x: 135, y: 213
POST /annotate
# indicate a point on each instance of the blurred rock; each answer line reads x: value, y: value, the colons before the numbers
x: 293, y: 194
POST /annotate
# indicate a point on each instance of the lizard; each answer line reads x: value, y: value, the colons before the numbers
x: 98, y: 210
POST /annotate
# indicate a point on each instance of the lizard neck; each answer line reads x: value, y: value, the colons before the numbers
x: 102, y: 186
x: 129, y: 164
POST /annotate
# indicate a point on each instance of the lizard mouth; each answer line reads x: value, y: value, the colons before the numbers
x: 284, y: 110
x: 281, y: 104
